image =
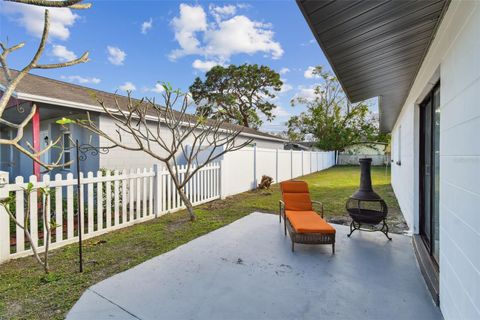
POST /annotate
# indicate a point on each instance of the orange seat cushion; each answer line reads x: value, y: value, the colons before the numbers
x: 308, y: 222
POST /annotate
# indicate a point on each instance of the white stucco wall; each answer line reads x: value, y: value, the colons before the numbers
x: 454, y: 58
x: 123, y: 159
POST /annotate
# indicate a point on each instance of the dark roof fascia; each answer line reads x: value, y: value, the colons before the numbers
x: 322, y: 46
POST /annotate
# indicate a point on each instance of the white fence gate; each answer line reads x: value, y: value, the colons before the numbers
x: 113, y: 200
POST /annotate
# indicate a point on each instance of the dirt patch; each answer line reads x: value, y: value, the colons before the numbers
x: 179, y: 222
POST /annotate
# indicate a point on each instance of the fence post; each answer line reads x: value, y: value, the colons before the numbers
x: 4, y: 220
x: 276, y: 166
x: 223, y: 180
x: 291, y: 164
x: 311, y: 162
x: 157, y: 190
x: 302, y: 164
x: 254, y: 166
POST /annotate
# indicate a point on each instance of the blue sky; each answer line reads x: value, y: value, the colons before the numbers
x: 135, y: 44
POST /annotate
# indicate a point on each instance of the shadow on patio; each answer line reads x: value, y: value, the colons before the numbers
x: 247, y: 271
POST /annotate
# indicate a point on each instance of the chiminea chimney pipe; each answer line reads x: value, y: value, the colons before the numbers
x: 365, y: 192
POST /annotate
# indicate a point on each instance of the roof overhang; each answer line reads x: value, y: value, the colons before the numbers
x: 375, y: 47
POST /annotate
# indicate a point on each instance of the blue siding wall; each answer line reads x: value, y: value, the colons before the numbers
x: 17, y: 164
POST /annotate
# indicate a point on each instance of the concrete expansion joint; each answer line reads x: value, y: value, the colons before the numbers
x: 115, y: 304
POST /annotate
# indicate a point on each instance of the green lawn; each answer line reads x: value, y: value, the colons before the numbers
x: 26, y: 294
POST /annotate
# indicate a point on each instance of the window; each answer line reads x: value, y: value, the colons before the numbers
x: 66, y: 150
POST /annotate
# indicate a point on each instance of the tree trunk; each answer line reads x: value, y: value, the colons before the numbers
x: 33, y: 246
x: 245, y: 121
x: 182, y: 194
x: 188, y: 204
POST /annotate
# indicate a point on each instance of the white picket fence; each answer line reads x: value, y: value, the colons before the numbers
x: 114, y: 200
x: 110, y: 201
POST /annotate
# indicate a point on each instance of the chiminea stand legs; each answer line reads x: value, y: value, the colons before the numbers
x: 358, y: 226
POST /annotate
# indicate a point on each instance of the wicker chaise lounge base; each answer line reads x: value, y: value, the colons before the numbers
x: 304, y: 225
x: 309, y: 238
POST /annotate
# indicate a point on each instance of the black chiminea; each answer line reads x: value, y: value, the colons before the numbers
x: 365, y: 206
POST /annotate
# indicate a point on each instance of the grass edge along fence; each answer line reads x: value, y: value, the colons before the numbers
x: 117, y: 199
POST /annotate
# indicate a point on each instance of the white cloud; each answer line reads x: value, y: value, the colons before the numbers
x: 241, y: 35
x: 227, y: 10
x: 32, y: 19
x: 281, y: 112
x: 205, y: 65
x: 81, y: 80
x: 279, y: 123
x: 63, y: 54
x: 284, y: 70
x: 158, y: 88
x: 309, y: 73
x: 127, y: 86
x: 307, y: 93
x: 311, y: 41
x: 116, y: 56
x: 222, y: 38
x: 147, y: 25
x: 192, y: 19
x: 285, y: 87
x: 243, y: 6
x: 220, y: 13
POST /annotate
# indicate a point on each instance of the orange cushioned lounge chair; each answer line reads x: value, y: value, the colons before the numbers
x: 303, y: 223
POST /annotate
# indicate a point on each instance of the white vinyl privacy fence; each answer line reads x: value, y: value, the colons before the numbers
x: 113, y: 200
x: 242, y: 170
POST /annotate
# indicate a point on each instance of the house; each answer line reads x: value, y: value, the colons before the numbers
x: 301, y: 145
x: 377, y: 151
x: 57, y: 99
x: 421, y: 58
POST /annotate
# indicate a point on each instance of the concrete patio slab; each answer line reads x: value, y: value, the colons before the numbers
x: 247, y: 271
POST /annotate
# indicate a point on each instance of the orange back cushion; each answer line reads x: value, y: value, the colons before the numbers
x: 296, y: 196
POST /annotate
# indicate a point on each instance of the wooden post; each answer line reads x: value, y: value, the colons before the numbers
x: 4, y: 220
x: 36, y: 140
x: 58, y: 209
x: 80, y: 209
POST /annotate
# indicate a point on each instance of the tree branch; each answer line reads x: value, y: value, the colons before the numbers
x: 72, y: 4
x: 175, y: 133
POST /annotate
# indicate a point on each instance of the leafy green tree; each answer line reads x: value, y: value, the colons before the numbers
x: 237, y: 94
x: 330, y: 120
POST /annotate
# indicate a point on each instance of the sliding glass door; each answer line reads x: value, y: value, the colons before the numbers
x: 430, y: 171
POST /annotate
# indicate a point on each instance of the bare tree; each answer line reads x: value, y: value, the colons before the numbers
x: 48, y: 223
x: 167, y: 133
x: 13, y: 78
